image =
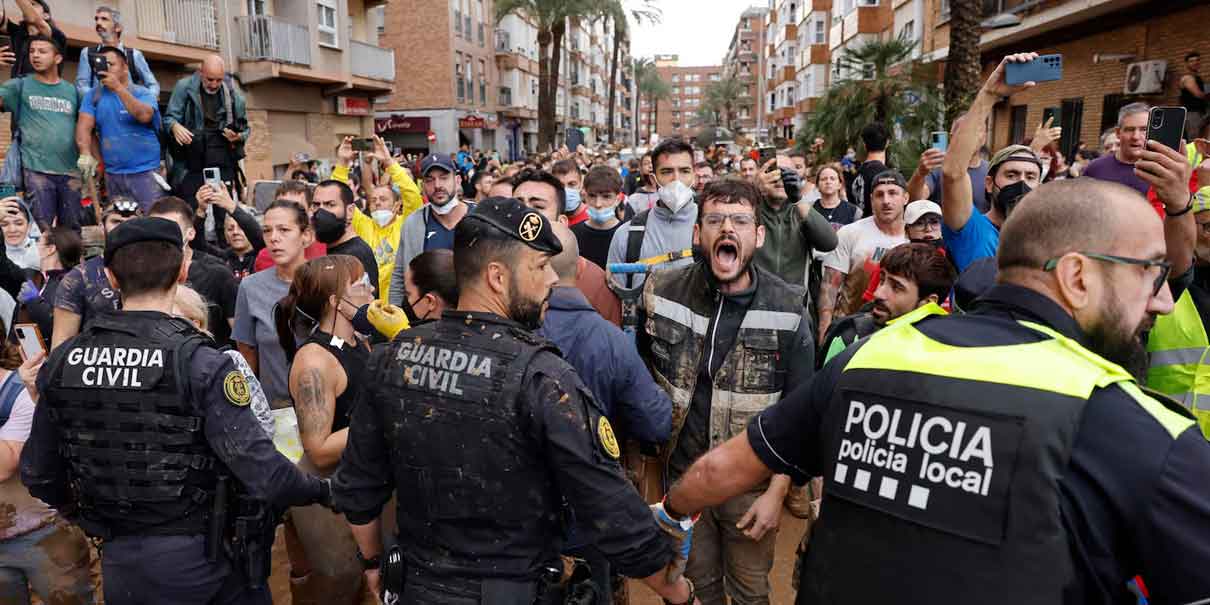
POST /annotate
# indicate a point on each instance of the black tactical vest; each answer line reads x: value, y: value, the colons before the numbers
x: 475, y: 497
x: 945, y: 468
x: 138, y: 458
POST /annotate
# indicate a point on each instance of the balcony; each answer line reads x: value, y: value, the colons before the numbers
x: 187, y: 22
x: 272, y: 39
x: 790, y: 32
x: 867, y: 20
x: 819, y: 54
x: 787, y: 73
x: 503, y: 42
x: 370, y: 61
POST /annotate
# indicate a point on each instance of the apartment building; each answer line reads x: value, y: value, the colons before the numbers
x: 676, y: 116
x: 781, y: 69
x: 470, y: 80
x: 1114, y: 52
x: 308, y: 68
x: 584, y: 83
x: 746, y: 57
x: 813, y: 57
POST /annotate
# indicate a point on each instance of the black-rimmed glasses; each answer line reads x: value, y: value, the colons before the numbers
x: 1165, y: 266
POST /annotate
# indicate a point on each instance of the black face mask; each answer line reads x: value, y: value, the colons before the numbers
x: 1006, y: 199
x: 329, y: 228
x: 406, y: 305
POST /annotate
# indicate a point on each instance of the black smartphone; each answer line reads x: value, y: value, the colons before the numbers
x: 98, y: 62
x: 766, y: 154
x: 1166, y: 125
x: 1052, y: 112
x: 363, y: 144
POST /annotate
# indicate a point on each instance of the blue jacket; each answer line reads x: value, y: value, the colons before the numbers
x: 609, y: 364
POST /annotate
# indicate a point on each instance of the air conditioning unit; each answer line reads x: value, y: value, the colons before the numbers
x: 1145, y: 77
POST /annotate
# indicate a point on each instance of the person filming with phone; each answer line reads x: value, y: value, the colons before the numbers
x: 126, y: 118
x: 207, y: 121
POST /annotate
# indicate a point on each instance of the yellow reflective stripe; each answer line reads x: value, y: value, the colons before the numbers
x: 1172, y: 422
x: 918, y: 314
x: 1058, y: 365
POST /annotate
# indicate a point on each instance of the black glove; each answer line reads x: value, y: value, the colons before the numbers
x: 792, y: 184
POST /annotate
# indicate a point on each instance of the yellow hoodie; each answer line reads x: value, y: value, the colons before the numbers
x: 384, y: 240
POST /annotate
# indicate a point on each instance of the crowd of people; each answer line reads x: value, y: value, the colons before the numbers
x: 486, y: 364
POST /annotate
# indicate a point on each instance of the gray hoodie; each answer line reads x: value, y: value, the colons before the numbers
x: 666, y: 232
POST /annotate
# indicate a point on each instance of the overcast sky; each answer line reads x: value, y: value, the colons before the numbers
x: 697, y: 30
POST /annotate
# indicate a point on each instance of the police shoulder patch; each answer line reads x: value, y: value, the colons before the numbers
x: 609, y: 443
x: 235, y: 387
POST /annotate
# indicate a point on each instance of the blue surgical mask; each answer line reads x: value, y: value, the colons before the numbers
x: 573, y: 200
x: 602, y: 215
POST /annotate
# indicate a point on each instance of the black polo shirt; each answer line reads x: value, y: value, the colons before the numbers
x: 1135, y: 500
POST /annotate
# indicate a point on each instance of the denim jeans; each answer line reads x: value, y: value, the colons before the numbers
x: 139, y: 186
x: 53, y: 560
x: 55, y: 197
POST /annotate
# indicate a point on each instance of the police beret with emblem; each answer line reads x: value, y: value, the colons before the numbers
x: 517, y: 221
x: 150, y: 229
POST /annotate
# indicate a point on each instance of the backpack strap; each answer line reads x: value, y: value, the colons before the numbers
x: 634, y: 241
x: 9, y: 391
x: 136, y: 76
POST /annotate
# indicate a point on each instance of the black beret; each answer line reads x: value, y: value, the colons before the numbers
x: 149, y: 229
x: 516, y: 220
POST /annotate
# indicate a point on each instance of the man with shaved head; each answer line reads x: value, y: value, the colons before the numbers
x: 1006, y: 455
x: 208, y: 122
x: 609, y: 365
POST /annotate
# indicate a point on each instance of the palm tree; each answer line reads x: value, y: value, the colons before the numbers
x: 656, y: 90
x: 962, y: 68
x: 724, y: 96
x: 551, y: 16
x: 879, y: 83
x: 613, y: 12
x: 639, y: 71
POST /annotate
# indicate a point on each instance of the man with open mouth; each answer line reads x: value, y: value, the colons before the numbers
x: 725, y: 338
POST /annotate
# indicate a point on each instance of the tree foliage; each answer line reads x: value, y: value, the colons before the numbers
x: 880, y: 82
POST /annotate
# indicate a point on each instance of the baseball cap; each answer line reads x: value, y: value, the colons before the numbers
x: 518, y: 221
x: 1013, y: 153
x: 143, y: 229
x: 889, y: 176
x: 919, y: 208
x: 436, y: 160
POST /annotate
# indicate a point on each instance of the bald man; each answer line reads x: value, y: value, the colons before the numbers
x: 610, y: 366
x: 1004, y: 456
x: 209, y: 125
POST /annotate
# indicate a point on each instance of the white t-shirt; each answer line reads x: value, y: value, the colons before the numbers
x: 858, y: 243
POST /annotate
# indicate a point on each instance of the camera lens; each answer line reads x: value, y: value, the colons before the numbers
x: 1157, y: 122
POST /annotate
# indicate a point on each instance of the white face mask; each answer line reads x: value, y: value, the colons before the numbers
x: 382, y: 217
x: 447, y: 208
x: 675, y: 195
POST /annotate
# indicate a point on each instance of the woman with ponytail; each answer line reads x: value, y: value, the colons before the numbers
x: 315, y: 328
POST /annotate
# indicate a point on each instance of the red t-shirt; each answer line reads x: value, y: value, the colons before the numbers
x: 264, y: 261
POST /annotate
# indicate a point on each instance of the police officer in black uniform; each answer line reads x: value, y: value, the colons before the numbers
x: 1007, y: 455
x: 143, y: 436
x: 484, y: 432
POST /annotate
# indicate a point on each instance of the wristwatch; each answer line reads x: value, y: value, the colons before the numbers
x: 692, y: 594
x: 374, y: 562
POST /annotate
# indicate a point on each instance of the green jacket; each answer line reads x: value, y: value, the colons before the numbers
x: 185, y: 107
x: 789, y: 241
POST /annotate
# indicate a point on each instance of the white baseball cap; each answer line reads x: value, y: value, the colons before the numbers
x: 917, y: 209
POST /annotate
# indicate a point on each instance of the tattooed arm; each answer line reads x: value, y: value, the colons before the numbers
x: 829, y: 294
x: 316, y: 379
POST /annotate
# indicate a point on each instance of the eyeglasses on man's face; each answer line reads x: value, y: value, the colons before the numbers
x: 1147, y: 264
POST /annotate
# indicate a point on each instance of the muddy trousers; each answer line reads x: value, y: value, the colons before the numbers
x: 723, y: 561
x: 53, y: 560
x: 152, y: 570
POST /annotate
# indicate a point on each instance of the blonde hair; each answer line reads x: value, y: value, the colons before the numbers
x: 191, y: 306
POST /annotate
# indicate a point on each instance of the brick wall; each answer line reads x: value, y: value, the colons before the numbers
x: 1167, y: 37
x: 421, y: 34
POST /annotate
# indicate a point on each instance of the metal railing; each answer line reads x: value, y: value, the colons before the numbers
x: 272, y: 39
x: 370, y: 61
x: 189, y: 22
